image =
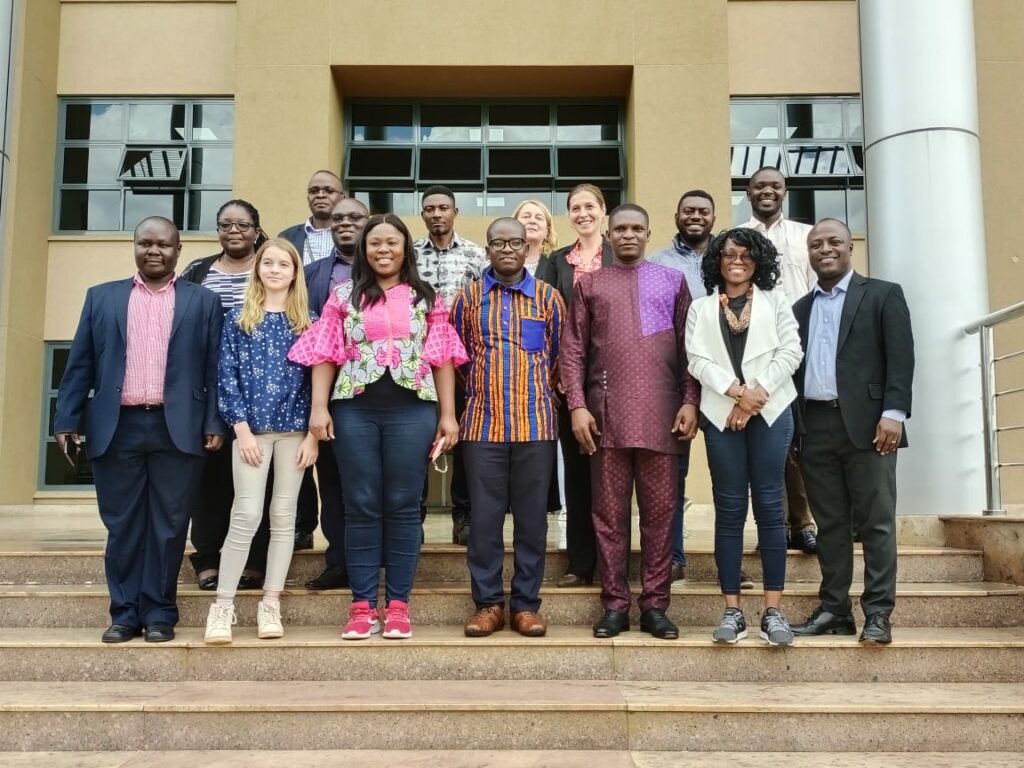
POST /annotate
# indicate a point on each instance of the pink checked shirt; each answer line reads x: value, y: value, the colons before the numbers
x: 150, y: 314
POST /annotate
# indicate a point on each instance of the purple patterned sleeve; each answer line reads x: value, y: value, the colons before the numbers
x: 324, y: 340
x: 691, y: 387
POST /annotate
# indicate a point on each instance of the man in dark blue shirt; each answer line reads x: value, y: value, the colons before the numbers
x: 348, y: 219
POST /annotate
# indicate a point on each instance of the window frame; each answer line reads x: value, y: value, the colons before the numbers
x: 536, y: 183
x: 189, y: 143
x: 50, y: 393
x: 852, y: 181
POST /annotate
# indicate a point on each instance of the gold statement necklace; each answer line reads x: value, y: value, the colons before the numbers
x: 737, y: 324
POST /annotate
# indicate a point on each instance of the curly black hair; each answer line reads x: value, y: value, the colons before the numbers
x: 767, y: 270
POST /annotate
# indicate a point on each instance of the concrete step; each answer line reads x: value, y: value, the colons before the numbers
x: 326, y: 758
x: 967, y: 604
x: 445, y: 562
x: 971, y: 655
x: 513, y: 714
x: 330, y: 758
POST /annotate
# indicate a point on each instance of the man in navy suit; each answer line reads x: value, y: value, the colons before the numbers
x: 348, y: 220
x: 146, y: 348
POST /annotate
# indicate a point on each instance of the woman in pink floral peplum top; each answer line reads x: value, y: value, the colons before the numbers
x: 383, y: 356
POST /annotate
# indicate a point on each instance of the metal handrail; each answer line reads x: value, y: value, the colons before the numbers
x: 995, y: 318
x: 984, y: 327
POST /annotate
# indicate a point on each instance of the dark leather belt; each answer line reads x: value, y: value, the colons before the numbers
x: 823, y: 403
x: 146, y: 407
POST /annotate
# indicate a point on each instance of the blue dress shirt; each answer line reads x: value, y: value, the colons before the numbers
x: 823, y: 344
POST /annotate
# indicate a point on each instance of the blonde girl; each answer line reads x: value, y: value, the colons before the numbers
x: 265, y: 398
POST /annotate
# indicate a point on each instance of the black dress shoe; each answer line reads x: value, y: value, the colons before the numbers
x: 806, y: 541
x: 575, y: 580
x: 822, y: 622
x: 655, y: 621
x: 331, y: 578
x: 303, y: 541
x: 460, y: 531
x: 159, y: 632
x: 611, y: 624
x: 250, y: 582
x: 120, y: 633
x: 208, y: 583
x: 877, y: 630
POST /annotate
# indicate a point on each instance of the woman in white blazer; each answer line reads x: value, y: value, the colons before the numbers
x: 743, y: 347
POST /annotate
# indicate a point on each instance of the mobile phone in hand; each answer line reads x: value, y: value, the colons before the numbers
x: 437, y: 448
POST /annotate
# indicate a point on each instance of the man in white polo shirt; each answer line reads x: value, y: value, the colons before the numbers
x: 767, y: 192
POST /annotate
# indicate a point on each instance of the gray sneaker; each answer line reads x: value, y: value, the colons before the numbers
x: 775, y: 629
x: 733, y: 627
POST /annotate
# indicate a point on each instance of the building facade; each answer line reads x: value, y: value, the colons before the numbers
x: 121, y: 109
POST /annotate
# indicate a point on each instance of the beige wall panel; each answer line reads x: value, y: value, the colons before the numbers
x: 474, y: 33
x: 294, y: 32
x: 673, y: 32
x: 788, y: 47
x: 23, y: 257
x: 76, y: 264
x: 672, y: 147
x: 114, y: 48
x: 999, y: 35
x: 286, y: 127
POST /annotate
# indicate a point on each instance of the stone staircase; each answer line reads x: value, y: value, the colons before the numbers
x: 947, y: 692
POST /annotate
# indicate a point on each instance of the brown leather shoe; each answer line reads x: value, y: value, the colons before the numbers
x: 485, y: 621
x: 529, y: 623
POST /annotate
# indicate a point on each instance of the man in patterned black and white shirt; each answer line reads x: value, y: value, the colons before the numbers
x: 448, y: 262
x: 312, y: 238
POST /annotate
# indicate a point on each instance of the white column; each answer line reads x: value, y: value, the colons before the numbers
x: 926, y: 231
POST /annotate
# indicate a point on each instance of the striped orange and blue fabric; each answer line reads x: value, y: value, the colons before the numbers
x: 511, y: 336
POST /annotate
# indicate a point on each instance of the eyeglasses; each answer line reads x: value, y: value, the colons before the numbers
x: 500, y: 245
x: 355, y: 218
x: 729, y: 258
x: 314, y: 191
x: 241, y: 226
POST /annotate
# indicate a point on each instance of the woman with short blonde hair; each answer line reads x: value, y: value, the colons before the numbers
x: 540, y: 232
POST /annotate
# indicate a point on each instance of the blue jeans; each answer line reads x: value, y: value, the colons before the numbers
x: 752, y: 460
x: 382, y: 455
x: 678, y: 553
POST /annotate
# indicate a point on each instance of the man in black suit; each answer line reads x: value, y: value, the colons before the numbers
x: 855, y: 392
x: 147, y: 349
x: 313, y: 239
x: 348, y: 220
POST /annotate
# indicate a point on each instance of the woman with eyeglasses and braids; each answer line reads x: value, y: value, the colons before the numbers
x: 226, y: 273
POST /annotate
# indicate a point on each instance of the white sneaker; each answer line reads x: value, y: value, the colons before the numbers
x: 268, y: 621
x: 218, y: 624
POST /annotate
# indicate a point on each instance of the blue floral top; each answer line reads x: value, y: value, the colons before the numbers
x: 258, y: 384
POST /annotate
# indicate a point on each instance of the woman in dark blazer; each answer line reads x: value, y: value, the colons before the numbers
x: 562, y: 269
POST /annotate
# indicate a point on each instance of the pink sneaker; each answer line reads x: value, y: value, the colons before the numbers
x: 397, y: 624
x: 362, y: 622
